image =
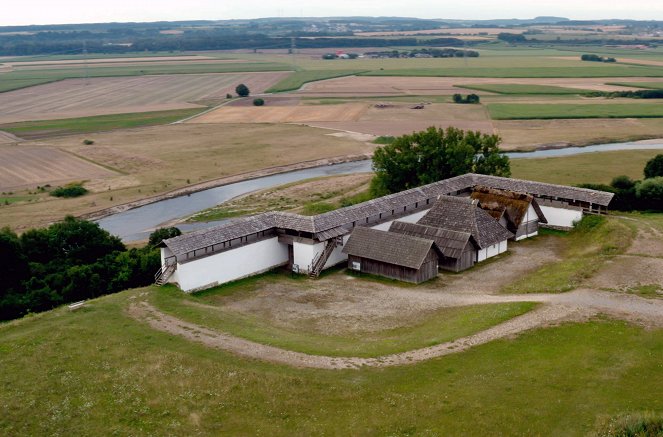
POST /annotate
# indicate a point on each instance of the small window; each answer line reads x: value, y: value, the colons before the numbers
x: 356, y: 265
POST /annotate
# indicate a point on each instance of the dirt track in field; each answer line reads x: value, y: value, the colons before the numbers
x: 114, y: 95
x: 7, y: 138
x: 27, y: 166
x: 339, y: 301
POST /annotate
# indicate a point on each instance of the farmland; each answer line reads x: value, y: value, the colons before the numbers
x: 27, y: 167
x: 149, y: 161
x: 524, y: 111
x: 100, y: 96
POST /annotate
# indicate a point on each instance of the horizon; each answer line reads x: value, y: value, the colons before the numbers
x: 67, y: 12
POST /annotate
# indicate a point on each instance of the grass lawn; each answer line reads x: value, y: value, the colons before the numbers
x: 43, y: 128
x: 526, y: 111
x: 523, y: 89
x: 439, y: 327
x: 588, y: 246
x: 299, y: 78
x: 96, y: 371
x: 598, y: 167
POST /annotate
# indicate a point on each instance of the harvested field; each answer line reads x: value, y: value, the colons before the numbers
x: 530, y: 134
x: 28, y: 166
x: 8, y: 138
x: 362, y: 118
x: 380, y: 85
x: 111, y: 60
x: 284, y: 114
x: 74, y: 98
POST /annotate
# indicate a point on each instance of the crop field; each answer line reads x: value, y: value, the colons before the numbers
x: 283, y: 114
x: 523, y: 89
x: 525, y: 111
x: 29, y: 130
x: 27, y: 166
x: 395, y: 118
x: 433, y: 86
x: 645, y: 85
x: 26, y: 77
x: 99, y: 96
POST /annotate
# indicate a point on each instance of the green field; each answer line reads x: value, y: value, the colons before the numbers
x: 43, y: 128
x: 529, y: 111
x: 97, y: 371
x: 648, y: 85
x: 523, y: 89
x: 299, y: 78
x: 439, y: 327
x: 25, y: 77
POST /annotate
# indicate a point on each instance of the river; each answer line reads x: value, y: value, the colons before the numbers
x: 137, y: 224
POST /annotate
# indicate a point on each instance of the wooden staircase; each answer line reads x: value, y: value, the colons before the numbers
x: 162, y: 275
x: 321, y: 258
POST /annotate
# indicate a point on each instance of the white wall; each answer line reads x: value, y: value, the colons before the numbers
x: 491, y: 251
x: 561, y: 216
x: 232, y: 264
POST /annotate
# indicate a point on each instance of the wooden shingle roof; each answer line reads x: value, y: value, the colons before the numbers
x: 388, y: 247
x: 451, y: 243
x: 464, y: 215
x: 339, y: 222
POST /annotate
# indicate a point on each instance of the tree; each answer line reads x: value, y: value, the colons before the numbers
x: 242, y: 90
x: 161, y: 234
x: 258, y: 102
x: 435, y: 154
x: 654, y: 167
x: 651, y: 190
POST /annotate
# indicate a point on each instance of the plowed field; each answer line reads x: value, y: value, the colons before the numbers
x: 99, y: 96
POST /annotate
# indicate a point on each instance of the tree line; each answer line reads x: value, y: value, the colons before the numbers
x: 637, y: 195
x: 67, y: 262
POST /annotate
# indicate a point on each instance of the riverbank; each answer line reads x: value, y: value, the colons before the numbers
x: 219, y: 182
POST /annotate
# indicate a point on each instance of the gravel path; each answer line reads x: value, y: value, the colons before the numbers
x: 572, y: 306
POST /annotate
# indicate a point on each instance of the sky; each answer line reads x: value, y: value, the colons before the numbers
x: 22, y: 12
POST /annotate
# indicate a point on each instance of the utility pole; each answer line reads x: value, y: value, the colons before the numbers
x: 87, y: 73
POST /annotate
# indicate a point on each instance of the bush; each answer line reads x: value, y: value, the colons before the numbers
x: 242, y: 90
x: 384, y: 139
x: 470, y: 98
x: 654, y: 167
x: 71, y: 190
x: 645, y: 424
x: 651, y: 190
x: 622, y: 183
x: 258, y: 102
x: 88, y: 142
x: 229, y: 96
x: 161, y: 234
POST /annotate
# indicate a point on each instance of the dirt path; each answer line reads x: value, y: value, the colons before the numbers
x: 573, y: 306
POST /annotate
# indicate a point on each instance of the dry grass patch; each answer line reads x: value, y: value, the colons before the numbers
x: 283, y: 114
x: 529, y: 134
x: 164, y: 158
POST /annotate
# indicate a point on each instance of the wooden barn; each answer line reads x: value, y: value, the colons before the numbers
x: 392, y: 255
x: 459, y: 249
x: 463, y: 214
x: 518, y: 212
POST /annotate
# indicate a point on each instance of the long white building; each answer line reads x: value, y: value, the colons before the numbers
x: 247, y: 246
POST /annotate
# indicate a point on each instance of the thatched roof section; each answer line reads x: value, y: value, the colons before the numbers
x: 464, y: 215
x: 451, y: 243
x: 388, y: 247
x: 512, y: 205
